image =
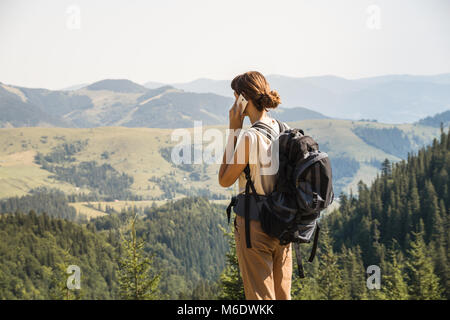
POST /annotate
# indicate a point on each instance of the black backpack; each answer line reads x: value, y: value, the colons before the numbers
x: 303, y: 189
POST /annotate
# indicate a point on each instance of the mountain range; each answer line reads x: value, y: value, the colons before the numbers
x: 388, y: 99
x: 120, y: 103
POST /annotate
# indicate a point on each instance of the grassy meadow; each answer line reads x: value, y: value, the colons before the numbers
x: 136, y: 152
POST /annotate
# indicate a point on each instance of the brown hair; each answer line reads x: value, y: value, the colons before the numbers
x: 253, y: 86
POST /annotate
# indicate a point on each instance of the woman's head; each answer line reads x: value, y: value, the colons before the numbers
x: 255, y: 88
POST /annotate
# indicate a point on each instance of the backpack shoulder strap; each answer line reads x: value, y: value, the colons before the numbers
x: 265, y: 129
x: 271, y: 134
x: 248, y: 185
x: 281, y: 125
x: 316, y: 240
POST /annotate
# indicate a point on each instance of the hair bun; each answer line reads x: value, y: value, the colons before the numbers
x: 270, y: 100
x: 255, y: 87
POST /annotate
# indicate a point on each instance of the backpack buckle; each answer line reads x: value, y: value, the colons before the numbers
x: 247, y: 173
x: 233, y: 203
x: 317, y: 199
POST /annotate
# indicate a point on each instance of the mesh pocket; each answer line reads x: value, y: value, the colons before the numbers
x: 305, y: 231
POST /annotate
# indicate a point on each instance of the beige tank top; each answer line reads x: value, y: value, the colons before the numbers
x: 262, y: 166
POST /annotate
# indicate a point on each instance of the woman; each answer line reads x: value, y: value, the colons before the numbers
x: 266, y: 267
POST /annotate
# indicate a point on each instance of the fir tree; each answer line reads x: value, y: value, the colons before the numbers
x: 232, y: 287
x: 305, y: 289
x: 430, y: 211
x: 204, y: 290
x: 424, y: 284
x: 59, y: 289
x: 354, y: 273
x: 386, y: 168
x: 394, y: 285
x: 331, y: 285
x: 135, y: 279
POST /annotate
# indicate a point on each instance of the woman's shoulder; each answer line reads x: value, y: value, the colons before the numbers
x: 250, y: 134
x: 275, y: 124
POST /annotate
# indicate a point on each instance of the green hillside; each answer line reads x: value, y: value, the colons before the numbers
x: 340, y: 140
x: 184, y: 237
x: 398, y: 223
x: 36, y: 250
x: 139, y: 159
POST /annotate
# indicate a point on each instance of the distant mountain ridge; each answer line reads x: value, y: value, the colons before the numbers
x: 120, y: 102
x: 436, y: 120
x: 117, y: 85
x: 297, y: 113
x: 388, y: 99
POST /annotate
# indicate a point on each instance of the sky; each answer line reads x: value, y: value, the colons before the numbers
x: 56, y: 44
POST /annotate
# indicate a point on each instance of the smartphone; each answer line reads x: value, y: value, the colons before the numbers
x: 242, y: 103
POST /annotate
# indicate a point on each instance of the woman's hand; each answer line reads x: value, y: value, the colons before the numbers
x: 236, y: 118
x: 230, y: 171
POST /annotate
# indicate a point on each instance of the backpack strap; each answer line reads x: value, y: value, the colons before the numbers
x: 265, y: 129
x: 301, y: 272
x: 317, y: 176
x: 314, y: 247
x: 247, y: 209
x: 281, y: 125
x: 248, y: 185
x: 298, y: 256
x: 271, y: 134
x: 232, y: 204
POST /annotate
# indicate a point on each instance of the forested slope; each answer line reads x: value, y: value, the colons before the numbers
x: 35, y: 251
x: 399, y: 223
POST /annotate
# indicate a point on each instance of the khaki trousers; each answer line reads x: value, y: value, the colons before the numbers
x: 266, y: 268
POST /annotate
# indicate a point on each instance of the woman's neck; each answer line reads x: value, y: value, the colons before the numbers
x: 257, y: 116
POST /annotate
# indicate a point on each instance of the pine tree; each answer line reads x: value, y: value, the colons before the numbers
x: 331, y: 284
x: 231, y: 285
x: 305, y: 289
x: 424, y: 284
x: 386, y: 168
x: 430, y: 209
x: 414, y: 200
x: 394, y: 285
x: 135, y: 279
x: 354, y: 273
x: 440, y: 252
x: 204, y: 290
x: 58, y: 285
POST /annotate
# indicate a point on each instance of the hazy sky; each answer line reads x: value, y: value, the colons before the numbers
x: 48, y: 44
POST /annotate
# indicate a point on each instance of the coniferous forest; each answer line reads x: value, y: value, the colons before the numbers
x: 400, y: 223
x: 184, y: 249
